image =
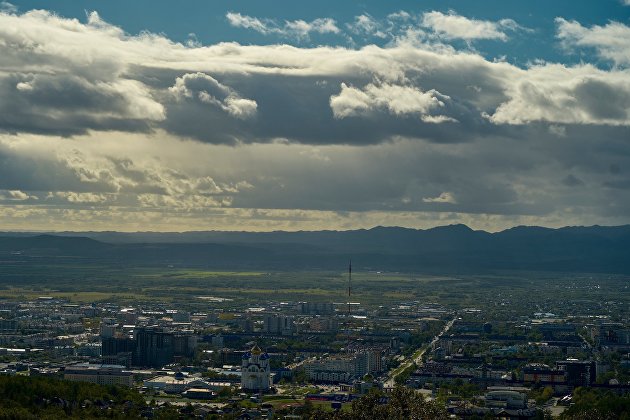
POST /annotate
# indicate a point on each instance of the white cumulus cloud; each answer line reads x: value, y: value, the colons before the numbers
x: 445, y: 197
x: 16, y: 195
x: 398, y: 100
x: 249, y: 22
x: 290, y: 28
x: 569, y: 95
x: 454, y: 26
x: 611, y: 41
x: 208, y: 90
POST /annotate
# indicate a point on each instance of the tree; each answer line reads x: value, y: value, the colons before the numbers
x: 225, y: 392
x: 402, y: 404
x: 545, y: 395
x: 598, y: 405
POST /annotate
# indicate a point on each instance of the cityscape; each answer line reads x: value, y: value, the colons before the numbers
x: 332, y: 210
x: 505, y: 357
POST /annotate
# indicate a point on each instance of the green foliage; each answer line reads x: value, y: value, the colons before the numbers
x: 403, y: 404
x: 616, y: 371
x: 541, y: 395
x: 461, y: 389
x: 598, y: 405
x: 47, y: 398
x: 403, y: 376
x: 300, y: 376
x: 225, y: 392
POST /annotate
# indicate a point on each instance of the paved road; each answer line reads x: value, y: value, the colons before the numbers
x: 391, y: 381
x: 294, y: 366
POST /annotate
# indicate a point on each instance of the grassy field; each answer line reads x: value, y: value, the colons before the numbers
x: 85, y: 283
x: 76, y: 297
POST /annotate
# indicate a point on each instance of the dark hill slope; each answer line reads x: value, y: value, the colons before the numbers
x: 449, y: 248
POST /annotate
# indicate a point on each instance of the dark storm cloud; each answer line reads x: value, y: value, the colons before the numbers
x: 298, y: 109
x: 572, y: 181
x: 68, y: 105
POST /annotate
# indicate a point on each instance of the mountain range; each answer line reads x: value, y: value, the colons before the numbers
x: 453, y: 248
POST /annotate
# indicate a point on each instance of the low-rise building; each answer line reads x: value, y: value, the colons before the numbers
x: 98, y: 374
x: 538, y: 372
x: 506, y: 399
x: 176, y: 384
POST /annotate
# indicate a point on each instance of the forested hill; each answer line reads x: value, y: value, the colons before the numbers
x: 448, y: 248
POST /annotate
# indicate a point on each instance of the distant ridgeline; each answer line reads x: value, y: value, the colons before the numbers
x: 454, y: 248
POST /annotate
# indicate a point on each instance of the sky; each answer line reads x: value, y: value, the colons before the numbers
x: 284, y: 115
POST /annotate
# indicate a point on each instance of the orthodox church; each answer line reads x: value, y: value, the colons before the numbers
x: 255, y: 370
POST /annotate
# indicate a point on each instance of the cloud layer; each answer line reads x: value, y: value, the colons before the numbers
x: 99, y: 126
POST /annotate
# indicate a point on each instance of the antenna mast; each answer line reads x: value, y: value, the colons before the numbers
x: 349, y: 293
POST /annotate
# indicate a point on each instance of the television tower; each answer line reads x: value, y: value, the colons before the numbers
x: 349, y: 294
x: 349, y: 285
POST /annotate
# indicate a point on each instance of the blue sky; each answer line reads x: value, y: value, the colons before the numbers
x: 207, y: 20
x: 261, y: 115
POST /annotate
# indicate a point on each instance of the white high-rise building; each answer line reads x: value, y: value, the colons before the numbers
x: 345, y: 368
x: 255, y: 370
